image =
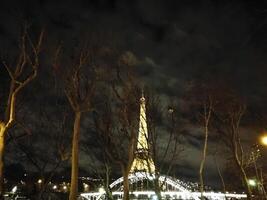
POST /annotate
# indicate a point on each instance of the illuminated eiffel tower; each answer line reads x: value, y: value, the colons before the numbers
x: 143, y: 161
x: 142, y: 172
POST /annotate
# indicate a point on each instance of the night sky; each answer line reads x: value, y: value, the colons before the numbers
x: 174, y: 44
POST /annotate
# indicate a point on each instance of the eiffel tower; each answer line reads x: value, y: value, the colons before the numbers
x: 143, y: 161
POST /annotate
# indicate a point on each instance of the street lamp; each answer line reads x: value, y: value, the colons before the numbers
x: 65, y: 188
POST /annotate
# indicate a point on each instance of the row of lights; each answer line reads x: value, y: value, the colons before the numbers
x: 65, y: 188
x: 55, y: 187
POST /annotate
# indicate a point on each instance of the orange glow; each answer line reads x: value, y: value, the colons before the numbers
x: 263, y: 139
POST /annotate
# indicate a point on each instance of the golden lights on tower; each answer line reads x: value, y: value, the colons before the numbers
x: 142, y: 161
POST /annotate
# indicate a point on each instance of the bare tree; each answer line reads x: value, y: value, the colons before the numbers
x: 79, y: 90
x: 82, y: 72
x: 207, y: 111
x: 119, y: 136
x: 163, y: 125
x: 219, y: 172
x: 100, y: 165
x: 202, y: 97
x: 117, y: 121
x: 21, y: 74
x: 228, y: 118
x: 45, y: 161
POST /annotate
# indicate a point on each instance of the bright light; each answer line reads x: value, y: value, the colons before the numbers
x: 101, y: 190
x: 39, y: 181
x: 252, y: 182
x: 154, y: 197
x: 54, y: 187
x: 14, y: 189
x: 170, y: 110
x: 85, y: 185
x: 64, y: 187
x: 264, y: 140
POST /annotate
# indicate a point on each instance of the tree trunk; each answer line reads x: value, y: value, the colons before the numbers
x: 206, y: 117
x: 157, y: 187
x: 245, y: 180
x: 75, y: 157
x: 109, y: 195
x: 201, y: 168
x: 241, y: 168
x: 2, y: 148
x: 221, y: 176
x: 126, y: 189
x: 243, y: 175
x: 262, y: 185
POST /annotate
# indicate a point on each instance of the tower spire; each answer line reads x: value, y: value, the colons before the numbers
x: 142, y: 93
x: 143, y: 160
